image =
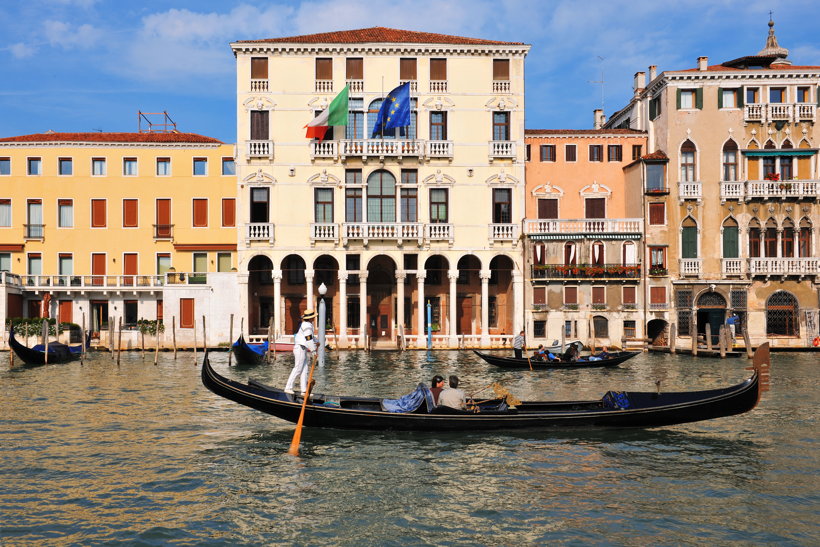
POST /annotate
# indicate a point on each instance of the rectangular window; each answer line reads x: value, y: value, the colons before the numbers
x: 657, y: 295
x: 571, y: 295
x: 803, y: 94
x: 228, y: 167
x: 614, y: 152
x: 355, y: 119
x: 129, y: 167
x: 629, y: 295
x: 35, y: 166
x: 655, y: 177
x: 65, y: 213
x: 547, y: 208
x: 527, y: 153
x: 130, y: 216
x: 130, y: 314
x: 260, y: 209
x: 629, y: 329
x: 259, y: 68
x: 637, y: 151
x: 353, y: 310
x: 324, y: 69
x: 409, y: 204
x: 501, y: 126
x: 353, y: 205
x: 200, y: 213
x: 98, y: 167
x: 163, y: 227
x: 98, y: 213
x: 5, y: 213
x: 657, y: 257
x: 687, y: 98
x: 547, y: 152
x: 595, y: 207
x: 777, y: 95
x: 570, y: 152
x: 163, y: 167
x: 5, y: 166
x: 160, y: 310
x: 200, y: 167
x: 98, y: 268
x: 260, y: 125
x: 323, y: 198
x: 502, y: 206
x: 34, y: 209
x: 655, y: 108
x: 728, y: 98
x: 438, y: 126
x: 407, y: 71
x: 501, y: 69
x: 657, y: 214
x: 35, y: 264
x: 435, y: 314
x: 5, y: 262
x: 163, y: 263
x: 130, y: 267
x: 354, y: 68
x: 438, y: 205
x: 539, y: 296
x: 752, y: 95
x: 223, y: 262
x: 65, y: 264
x: 438, y: 69
x: 65, y: 166
x: 599, y: 295
x: 596, y: 152
x: 539, y: 329
x: 200, y: 264
x: 186, y: 313
x: 228, y: 212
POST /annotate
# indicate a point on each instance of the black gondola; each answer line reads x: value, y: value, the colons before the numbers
x: 57, y: 352
x: 612, y: 360
x: 249, y: 354
x: 614, y: 409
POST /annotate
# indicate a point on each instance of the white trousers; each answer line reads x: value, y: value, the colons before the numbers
x: 301, y: 357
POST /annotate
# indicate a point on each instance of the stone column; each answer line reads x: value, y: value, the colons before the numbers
x: 451, y: 305
x: 277, y: 301
x: 420, y: 275
x: 343, y: 309
x: 363, y: 325
x: 244, y: 301
x: 309, y: 289
x: 485, y: 307
x: 401, y: 275
x: 518, y: 302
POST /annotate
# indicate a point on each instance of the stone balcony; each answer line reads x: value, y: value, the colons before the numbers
x: 589, y: 226
x: 764, y: 113
x: 690, y: 190
x: 501, y: 150
x: 690, y: 267
x: 379, y: 148
x: 586, y: 271
x: 259, y: 231
x: 259, y: 149
x: 784, y: 266
x: 767, y: 189
x: 389, y: 231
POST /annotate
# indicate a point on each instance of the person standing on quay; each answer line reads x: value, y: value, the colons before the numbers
x: 518, y: 345
x: 303, y: 345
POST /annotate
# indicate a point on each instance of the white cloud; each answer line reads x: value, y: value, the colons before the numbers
x: 59, y: 33
x: 22, y: 51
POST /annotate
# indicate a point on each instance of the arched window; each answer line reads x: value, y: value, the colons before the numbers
x: 381, y: 197
x: 570, y: 254
x: 769, y: 162
x: 787, y: 239
x: 730, y: 160
x: 754, y: 238
x: 689, y: 238
x: 782, y: 315
x: 687, y: 161
x: 598, y: 253
x: 601, y: 326
x: 786, y: 162
x: 804, y: 239
x: 731, y: 248
x: 630, y: 253
x: 770, y: 239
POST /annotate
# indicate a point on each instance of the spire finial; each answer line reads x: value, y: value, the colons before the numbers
x: 772, y: 48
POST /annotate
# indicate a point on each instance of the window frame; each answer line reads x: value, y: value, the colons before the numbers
x: 94, y: 219
x: 63, y: 162
x: 570, y: 153
x: 31, y: 161
x: 323, y: 204
x: 130, y: 160
x: 228, y: 161
x: 547, y: 153
x: 102, y: 162
x: 437, y: 205
x: 652, y: 215
x: 614, y: 153
x: 199, y: 211
x: 5, y: 166
x: 125, y: 213
x: 199, y: 164
x: 62, y: 202
x: 596, y: 153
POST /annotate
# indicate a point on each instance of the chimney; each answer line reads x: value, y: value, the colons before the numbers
x: 703, y: 62
x: 599, y: 119
x: 639, y: 82
x: 652, y: 72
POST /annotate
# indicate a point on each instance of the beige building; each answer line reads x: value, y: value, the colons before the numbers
x: 731, y: 188
x: 426, y: 214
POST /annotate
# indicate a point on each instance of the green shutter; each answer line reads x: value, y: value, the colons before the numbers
x: 740, y: 97
x: 699, y: 98
x: 652, y: 109
x: 730, y: 242
x: 678, y: 98
x: 720, y: 97
x: 689, y: 242
x: 818, y: 95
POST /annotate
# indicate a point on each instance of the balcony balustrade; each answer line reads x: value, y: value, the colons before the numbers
x: 324, y: 86
x: 800, y: 266
x: 8, y: 278
x: 502, y: 149
x: 83, y: 282
x: 438, y: 86
x: 259, y: 86
x: 440, y: 149
x: 163, y: 231
x: 324, y: 231
x: 324, y: 149
x: 732, y: 190
x: 731, y: 266
x: 784, y: 189
x: 501, y: 86
x: 259, y: 149
x: 259, y: 231
x: 583, y: 226
x: 690, y: 190
x: 690, y: 266
x: 586, y: 271
x: 439, y: 232
x: 779, y: 112
x: 34, y: 231
x: 658, y: 306
x: 380, y: 148
x: 356, y: 86
x: 414, y: 85
x: 391, y: 231
x: 503, y: 232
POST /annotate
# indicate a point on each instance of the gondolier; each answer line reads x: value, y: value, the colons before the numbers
x: 304, y: 344
x: 518, y: 345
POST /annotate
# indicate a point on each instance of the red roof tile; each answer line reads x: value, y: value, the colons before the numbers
x: 114, y: 138
x: 657, y: 155
x: 375, y: 35
x: 773, y: 67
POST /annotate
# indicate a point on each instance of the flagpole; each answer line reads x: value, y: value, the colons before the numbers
x: 383, y: 99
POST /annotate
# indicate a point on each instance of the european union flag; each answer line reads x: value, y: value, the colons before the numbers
x: 395, y: 110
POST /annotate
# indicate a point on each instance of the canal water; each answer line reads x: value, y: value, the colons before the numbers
x: 141, y: 454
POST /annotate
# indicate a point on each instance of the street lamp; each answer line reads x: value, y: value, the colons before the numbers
x: 322, y: 323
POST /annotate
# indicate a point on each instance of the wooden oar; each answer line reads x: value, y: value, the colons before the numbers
x: 528, y: 357
x: 297, y: 435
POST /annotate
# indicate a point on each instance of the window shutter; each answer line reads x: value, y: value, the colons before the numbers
x: 259, y: 68
x: 657, y: 295
x: 438, y: 69
x: 98, y: 213
x: 324, y: 69
x: 689, y: 242
x: 548, y: 208
x: 407, y: 69
x: 570, y: 295
x: 657, y: 213
x: 501, y: 69
x: 678, y: 98
x: 720, y: 97
x: 595, y: 207
x: 200, y: 213
x: 598, y: 295
x: 129, y: 213
x: 186, y: 313
x: 539, y: 295
x: 228, y: 212
x: 355, y: 69
x: 739, y: 97
x: 653, y: 108
x: 164, y: 211
x: 730, y: 242
x: 129, y: 264
x: 699, y: 98
x: 629, y: 295
x: 98, y: 264
x: 259, y: 125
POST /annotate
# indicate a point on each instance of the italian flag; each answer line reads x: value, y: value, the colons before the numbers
x: 335, y: 114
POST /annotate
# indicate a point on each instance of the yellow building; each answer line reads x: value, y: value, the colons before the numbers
x: 731, y: 190
x: 126, y: 226
x: 428, y: 213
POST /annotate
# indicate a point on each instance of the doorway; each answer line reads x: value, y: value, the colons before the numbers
x: 99, y: 317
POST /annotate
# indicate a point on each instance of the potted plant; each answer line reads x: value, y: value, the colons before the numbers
x: 657, y: 270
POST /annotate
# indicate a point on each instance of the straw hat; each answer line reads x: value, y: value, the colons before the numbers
x: 309, y: 314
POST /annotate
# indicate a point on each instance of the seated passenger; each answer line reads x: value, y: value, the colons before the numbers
x: 572, y: 354
x: 552, y: 357
x: 538, y: 354
x: 452, y: 396
x: 437, y: 385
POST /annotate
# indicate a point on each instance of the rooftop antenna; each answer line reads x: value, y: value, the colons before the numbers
x: 601, y: 81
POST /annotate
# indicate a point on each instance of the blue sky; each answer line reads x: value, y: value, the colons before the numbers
x: 85, y: 65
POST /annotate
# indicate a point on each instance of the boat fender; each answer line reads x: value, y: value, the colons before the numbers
x: 816, y: 341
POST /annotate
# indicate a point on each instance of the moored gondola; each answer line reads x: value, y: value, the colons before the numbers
x: 249, y: 354
x: 57, y: 352
x: 614, y: 409
x: 611, y: 360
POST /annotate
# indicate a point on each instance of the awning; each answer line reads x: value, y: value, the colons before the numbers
x: 779, y: 152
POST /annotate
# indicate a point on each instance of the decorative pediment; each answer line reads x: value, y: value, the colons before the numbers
x: 324, y: 179
x: 439, y: 178
x: 501, y: 103
x: 259, y: 177
x: 502, y: 178
x: 548, y: 190
x: 318, y: 103
x: 596, y: 190
x: 438, y: 103
x: 258, y: 103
